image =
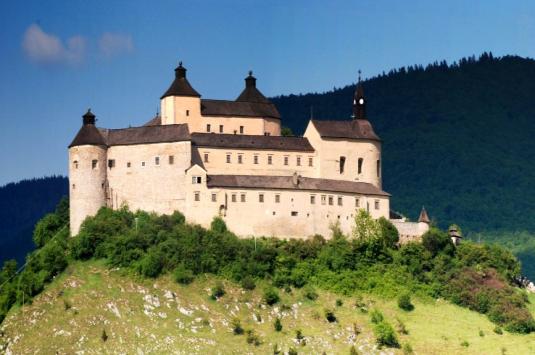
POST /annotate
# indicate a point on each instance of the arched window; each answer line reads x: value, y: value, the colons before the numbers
x: 361, y: 161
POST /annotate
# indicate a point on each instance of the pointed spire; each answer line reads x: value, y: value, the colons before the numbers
x: 359, y: 102
x: 424, y: 218
x: 89, y: 117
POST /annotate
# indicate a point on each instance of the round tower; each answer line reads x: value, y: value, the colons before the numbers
x: 87, y: 172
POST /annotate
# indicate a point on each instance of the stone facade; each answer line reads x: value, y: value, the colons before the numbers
x: 208, y: 158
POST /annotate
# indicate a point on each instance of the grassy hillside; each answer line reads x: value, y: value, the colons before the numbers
x: 160, y: 316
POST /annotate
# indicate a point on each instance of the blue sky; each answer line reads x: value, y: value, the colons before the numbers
x: 57, y: 58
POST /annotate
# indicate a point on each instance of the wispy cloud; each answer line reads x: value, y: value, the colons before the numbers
x: 113, y: 44
x: 46, y: 48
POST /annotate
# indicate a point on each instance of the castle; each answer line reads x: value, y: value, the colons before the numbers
x: 208, y: 158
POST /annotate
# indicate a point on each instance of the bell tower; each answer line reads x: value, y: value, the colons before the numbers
x: 359, y: 102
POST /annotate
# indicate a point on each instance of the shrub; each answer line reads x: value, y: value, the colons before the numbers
x: 183, y: 275
x: 330, y: 316
x: 465, y: 343
x: 271, y: 296
x: 236, y: 327
x: 498, y: 330
x: 218, y: 290
x: 277, y: 324
x: 310, y: 293
x: 376, y: 316
x: 353, y: 350
x: 339, y: 303
x: 401, y: 327
x: 152, y: 264
x: 481, y: 333
x: 407, y: 349
x: 248, y: 283
x: 404, y: 302
x: 436, y: 241
x: 389, y: 234
x: 292, y: 351
x: 300, y: 337
x: 252, y: 338
x: 385, y: 335
x: 104, y: 336
x: 218, y: 225
x: 276, y: 349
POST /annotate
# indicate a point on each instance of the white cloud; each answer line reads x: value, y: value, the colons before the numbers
x: 46, y: 48
x: 113, y: 44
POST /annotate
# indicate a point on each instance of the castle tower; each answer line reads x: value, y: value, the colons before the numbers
x: 181, y: 103
x: 87, y: 172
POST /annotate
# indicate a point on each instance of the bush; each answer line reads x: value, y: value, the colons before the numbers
x: 498, y: 330
x: 330, y: 316
x: 385, y: 335
x: 248, y: 283
x: 407, y: 349
x: 151, y: 265
x: 218, y: 225
x: 104, y: 335
x: 339, y: 303
x: 292, y: 351
x: 404, y: 302
x: 218, y: 290
x: 465, y: 343
x: 277, y: 324
x: 388, y: 233
x: 376, y: 316
x: 271, y: 296
x: 183, y: 275
x: 252, y: 338
x: 236, y: 327
x: 401, y: 327
x: 310, y: 293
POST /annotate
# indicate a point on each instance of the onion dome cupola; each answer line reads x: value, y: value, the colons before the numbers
x: 359, y: 102
x: 89, y: 133
x: 251, y: 93
x: 181, y: 85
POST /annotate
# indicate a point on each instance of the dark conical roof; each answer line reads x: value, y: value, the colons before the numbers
x: 423, y: 216
x: 88, y: 134
x: 181, y: 85
x: 251, y: 93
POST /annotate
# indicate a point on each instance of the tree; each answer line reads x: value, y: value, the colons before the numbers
x: 365, y: 228
x: 286, y: 132
x: 389, y: 233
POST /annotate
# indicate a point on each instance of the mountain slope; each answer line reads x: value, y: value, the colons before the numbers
x: 147, y: 316
x: 22, y: 204
x: 457, y: 139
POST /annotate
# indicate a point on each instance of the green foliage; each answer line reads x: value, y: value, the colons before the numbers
x: 218, y: 225
x: 365, y: 228
x: 385, y: 335
x: 286, y: 132
x: 498, y: 330
x: 310, y: 293
x: 376, y: 316
x: 271, y: 296
x: 183, y: 275
x: 277, y: 325
x: 218, y: 291
x: 330, y: 316
x: 152, y: 264
x: 407, y: 349
x: 353, y: 350
x: 404, y: 302
x: 248, y: 283
x: 436, y: 241
x: 237, y: 329
x: 339, y: 302
x: 104, y: 335
x: 292, y: 351
x: 252, y: 338
x: 388, y: 233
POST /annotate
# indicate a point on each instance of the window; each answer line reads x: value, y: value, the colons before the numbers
x: 312, y: 199
x: 376, y: 204
x: 197, y: 195
x: 298, y: 162
x: 111, y: 163
x: 323, y: 199
x: 171, y: 159
x: 187, y: 112
x: 196, y: 179
x: 214, y: 197
x: 242, y: 197
x: 208, y: 128
x: 73, y: 186
x: 157, y: 161
x: 142, y: 163
x: 294, y: 213
x: 270, y: 159
x: 340, y: 200
x: 261, y: 198
x: 128, y: 164
x: 75, y: 164
x: 378, y: 168
x: 255, y: 159
x: 206, y: 157
x: 342, y: 164
x: 310, y: 161
x: 360, y: 165
x: 228, y: 158
x: 233, y: 198
x: 277, y: 198
x: 220, y: 128
x: 357, y: 202
x: 94, y: 164
x: 241, y: 130
x: 331, y: 200
x: 240, y: 158
x: 286, y: 158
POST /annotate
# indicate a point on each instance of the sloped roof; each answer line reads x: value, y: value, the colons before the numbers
x: 146, y: 134
x: 354, y: 129
x: 238, y: 109
x: 156, y: 121
x: 88, y: 135
x: 180, y: 86
x: 251, y: 142
x: 287, y: 183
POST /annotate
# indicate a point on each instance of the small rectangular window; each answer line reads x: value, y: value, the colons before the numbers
x: 255, y: 159
x: 270, y: 159
x: 220, y: 128
x: 233, y: 198
x: 208, y: 128
x: 157, y: 161
x: 214, y: 197
x: 128, y: 164
x: 312, y: 199
x: 261, y: 198
x: 286, y: 158
x: 94, y: 164
x: 240, y: 158
x: 331, y: 201
x: 241, y: 130
x: 376, y: 204
x: 310, y: 161
x: 323, y: 199
x: 228, y: 158
x: 75, y: 164
x: 171, y: 159
x: 357, y: 202
x: 197, y: 196
x: 342, y: 164
x: 142, y: 163
x: 298, y: 162
x: 206, y: 157
x: 360, y: 161
x: 294, y: 213
x: 196, y: 179
x: 277, y: 198
x: 340, y: 200
x: 111, y: 163
x: 187, y: 112
x: 242, y: 197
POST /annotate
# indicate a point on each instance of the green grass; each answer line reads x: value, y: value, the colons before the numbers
x: 435, y: 327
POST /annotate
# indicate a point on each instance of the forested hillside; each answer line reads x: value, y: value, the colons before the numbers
x: 22, y: 204
x: 456, y: 138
